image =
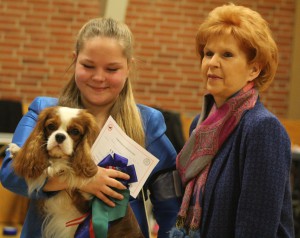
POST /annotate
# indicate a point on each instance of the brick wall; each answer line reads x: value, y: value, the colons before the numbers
x: 37, y: 37
x: 36, y: 44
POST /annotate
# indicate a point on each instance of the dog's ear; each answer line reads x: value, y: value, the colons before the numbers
x: 32, y: 158
x: 92, y: 128
x: 82, y: 160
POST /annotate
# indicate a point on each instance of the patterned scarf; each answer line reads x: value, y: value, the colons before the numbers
x: 194, y: 161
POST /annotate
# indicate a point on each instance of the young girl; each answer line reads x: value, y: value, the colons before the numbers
x: 101, y: 83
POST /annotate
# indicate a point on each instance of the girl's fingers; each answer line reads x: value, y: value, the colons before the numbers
x: 108, y: 193
x: 105, y: 199
x: 118, y: 174
x: 116, y: 184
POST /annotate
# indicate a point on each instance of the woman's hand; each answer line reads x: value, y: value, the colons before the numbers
x: 103, y: 184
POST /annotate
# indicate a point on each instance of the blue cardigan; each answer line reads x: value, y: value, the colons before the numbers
x: 247, y: 194
x: 157, y: 143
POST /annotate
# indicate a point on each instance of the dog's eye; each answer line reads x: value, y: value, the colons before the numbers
x: 51, y: 127
x: 74, y: 132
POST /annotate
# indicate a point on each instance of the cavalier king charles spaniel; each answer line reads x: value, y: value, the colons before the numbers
x: 60, y: 146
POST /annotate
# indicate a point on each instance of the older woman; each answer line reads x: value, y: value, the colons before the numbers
x: 235, y: 166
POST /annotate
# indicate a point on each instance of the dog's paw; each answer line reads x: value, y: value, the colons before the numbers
x: 13, y: 149
x: 53, y: 171
x: 50, y: 171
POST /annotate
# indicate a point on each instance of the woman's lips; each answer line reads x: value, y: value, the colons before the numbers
x: 98, y: 88
x: 213, y: 76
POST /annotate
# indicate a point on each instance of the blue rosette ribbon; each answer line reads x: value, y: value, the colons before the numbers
x: 96, y: 223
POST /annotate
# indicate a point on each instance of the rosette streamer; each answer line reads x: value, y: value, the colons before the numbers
x: 96, y: 223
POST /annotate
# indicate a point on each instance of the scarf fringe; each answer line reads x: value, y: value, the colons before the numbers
x: 180, y: 222
x: 181, y: 233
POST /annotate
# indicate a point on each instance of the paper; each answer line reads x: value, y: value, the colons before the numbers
x: 112, y: 139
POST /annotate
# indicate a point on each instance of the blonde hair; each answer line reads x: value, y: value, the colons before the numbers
x: 251, y: 31
x: 124, y: 110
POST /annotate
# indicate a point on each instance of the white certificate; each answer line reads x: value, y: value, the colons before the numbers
x: 112, y: 139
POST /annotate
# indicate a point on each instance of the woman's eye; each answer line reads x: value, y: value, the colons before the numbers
x: 112, y: 69
x: 228, y: 54
x: 87, y: 66
x: 208, y: 53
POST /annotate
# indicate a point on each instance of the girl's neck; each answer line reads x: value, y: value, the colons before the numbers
x: 101, y: 119
x: 100, y: 113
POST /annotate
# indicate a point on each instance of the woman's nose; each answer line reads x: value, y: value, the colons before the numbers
x: 214, y: 61
x: 99, y: 75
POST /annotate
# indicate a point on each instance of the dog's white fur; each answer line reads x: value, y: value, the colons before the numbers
x: 61, y: 135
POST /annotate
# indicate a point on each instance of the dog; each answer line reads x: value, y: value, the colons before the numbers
x: 60, y: 146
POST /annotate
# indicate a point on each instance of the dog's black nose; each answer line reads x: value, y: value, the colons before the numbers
x: 60, y: 138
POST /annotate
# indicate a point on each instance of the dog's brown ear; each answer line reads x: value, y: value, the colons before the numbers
x: 82, y: 161
x: 92, y: 128
x: 32, y: 158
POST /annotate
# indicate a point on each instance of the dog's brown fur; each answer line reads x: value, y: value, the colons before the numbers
x: 129, y: 227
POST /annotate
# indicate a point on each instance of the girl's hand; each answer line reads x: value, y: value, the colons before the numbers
x: 102, y: 185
